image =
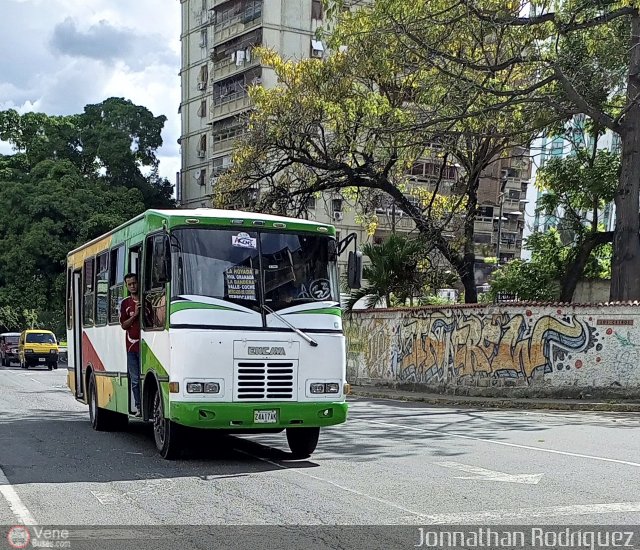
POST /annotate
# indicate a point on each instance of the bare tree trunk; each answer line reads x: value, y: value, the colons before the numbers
x: 625, y: 269
x: 575, y: 268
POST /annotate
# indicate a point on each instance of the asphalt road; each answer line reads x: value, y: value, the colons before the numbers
x: 393, y: 463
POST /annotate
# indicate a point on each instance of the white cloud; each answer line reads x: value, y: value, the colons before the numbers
x: 65, y: 54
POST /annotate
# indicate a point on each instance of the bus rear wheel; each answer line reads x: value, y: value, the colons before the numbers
x: 165, y: 432
x: 302, y: 441
x: 103, y: 420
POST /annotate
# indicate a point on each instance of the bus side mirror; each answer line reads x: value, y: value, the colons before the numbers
x: 354, y: 269
x: 332, y: 248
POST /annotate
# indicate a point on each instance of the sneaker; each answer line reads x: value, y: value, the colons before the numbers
x: 138, y: 414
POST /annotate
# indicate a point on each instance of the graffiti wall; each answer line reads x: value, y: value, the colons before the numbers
x: 534, y: 350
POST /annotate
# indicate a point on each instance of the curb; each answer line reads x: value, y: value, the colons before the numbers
x: 500, y: 403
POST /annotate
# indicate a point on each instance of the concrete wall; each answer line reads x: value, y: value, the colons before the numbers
x: 592, y: 291
x: 514, y: 350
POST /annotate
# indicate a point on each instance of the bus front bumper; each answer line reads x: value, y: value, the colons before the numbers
x: 258, y: 416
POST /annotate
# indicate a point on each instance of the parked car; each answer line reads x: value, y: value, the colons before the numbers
x: 9, y: 348
x: 63, y: 353
x: 38, y: 347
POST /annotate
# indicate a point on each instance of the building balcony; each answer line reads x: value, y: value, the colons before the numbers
x: 234, y: 27
x: 230, y: 104
x: 228, y: 67
x: 224, y: 145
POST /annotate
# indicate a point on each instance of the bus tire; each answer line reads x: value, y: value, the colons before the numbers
x: 166, y: 434
x: 103, y: 420
x: 302, y: 441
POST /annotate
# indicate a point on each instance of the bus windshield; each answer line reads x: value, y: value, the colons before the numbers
x: 253, y: 268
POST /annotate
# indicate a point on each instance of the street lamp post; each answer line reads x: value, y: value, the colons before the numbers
x: 503, y: 184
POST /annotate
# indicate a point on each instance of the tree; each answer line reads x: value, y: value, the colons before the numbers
x: 358, y: 120
x: 543, y: 278
x: 579, y: 186
x: 396, y: 273
x: 113, y: 140
x: 48, y: 212
x: 585, y: 56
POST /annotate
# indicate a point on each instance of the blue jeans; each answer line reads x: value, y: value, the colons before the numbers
x: 133, y: 368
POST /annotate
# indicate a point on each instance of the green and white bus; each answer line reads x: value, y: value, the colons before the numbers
x: 241, y: 326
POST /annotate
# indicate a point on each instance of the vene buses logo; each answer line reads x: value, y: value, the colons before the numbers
x: 266, y: 350
x: 18, y: 536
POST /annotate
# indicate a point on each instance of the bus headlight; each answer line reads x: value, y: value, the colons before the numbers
x: 211, y: 387
x: 194, y: 387
x: 317, y: 388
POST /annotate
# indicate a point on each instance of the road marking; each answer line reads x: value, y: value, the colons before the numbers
x: 490, y: 475
x: 504, y: 443
x: 334, y: 484
x: 15, y: 503
x: 529, y: 513
x: 480, y: 516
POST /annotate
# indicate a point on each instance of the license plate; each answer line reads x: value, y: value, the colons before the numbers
x: 265, y: 417
x: 42, y: 359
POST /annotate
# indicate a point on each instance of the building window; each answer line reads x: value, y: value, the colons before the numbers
x: 316, y: 9
x: 221, y: 164
x: 203, y: 77
x: 336, y: 205
x: 202, y: 146
x: 201, y: 177
x: 202, y: 110
x: 204, y: 38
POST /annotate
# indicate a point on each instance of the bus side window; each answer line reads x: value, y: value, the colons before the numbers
x: 116, y: 283
x: 69, y: 298
x: 102, y: 287
x: 88, y: 292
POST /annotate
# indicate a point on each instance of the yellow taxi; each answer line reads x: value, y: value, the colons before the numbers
x: 38, y: 347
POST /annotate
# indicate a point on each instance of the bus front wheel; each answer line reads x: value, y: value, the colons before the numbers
x: 302, y: 441
x: 165, y: 432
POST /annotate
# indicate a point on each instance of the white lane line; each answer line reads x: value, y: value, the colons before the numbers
x: 527, y: 513
x: 337, y: 485
x: 15, y: 503
x: 480, y: 516
x: 503, y: 443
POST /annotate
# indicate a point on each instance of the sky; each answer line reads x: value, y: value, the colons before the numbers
x: 60, y: 55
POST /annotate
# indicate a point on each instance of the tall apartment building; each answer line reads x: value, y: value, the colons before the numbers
x: 217, y: 66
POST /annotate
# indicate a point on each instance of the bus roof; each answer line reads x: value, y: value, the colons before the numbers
x: 209, y: 216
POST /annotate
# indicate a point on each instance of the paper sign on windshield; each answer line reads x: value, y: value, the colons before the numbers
x: 243, y: 240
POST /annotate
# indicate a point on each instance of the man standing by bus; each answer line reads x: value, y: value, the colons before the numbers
x: 130, y: 322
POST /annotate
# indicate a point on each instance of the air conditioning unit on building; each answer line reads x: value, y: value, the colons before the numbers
x: 338, y: 216
x: 201, y: 153
x: 202, y: 85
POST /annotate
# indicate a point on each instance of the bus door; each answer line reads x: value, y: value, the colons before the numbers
x: 76, y: 282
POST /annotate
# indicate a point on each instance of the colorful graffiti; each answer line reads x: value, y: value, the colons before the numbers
x: 500, y: 346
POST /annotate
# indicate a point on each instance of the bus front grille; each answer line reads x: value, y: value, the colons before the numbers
x: 264, y: 381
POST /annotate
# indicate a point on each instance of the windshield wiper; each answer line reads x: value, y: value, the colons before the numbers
x: 308, y: 338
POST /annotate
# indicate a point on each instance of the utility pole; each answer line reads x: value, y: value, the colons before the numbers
x: 503, y: 183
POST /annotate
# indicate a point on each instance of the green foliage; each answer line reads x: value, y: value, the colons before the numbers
x: 538, y: 279
x: 112, y: 140
x: 398, y: 271
x: 71, y: 180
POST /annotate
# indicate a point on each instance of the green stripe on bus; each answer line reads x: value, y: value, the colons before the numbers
x: 325, y: 310
x: 181, y: 306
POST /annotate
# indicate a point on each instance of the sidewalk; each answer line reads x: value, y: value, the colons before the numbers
x: 381, y: 392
